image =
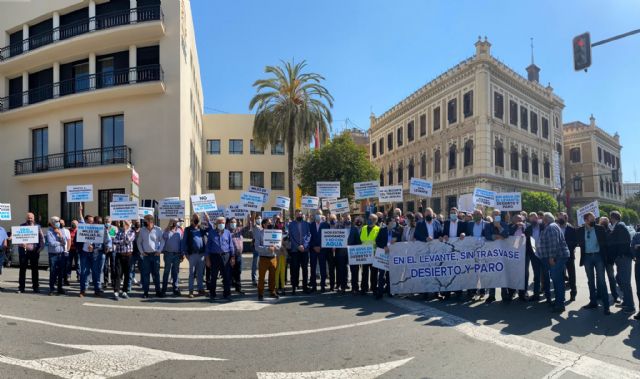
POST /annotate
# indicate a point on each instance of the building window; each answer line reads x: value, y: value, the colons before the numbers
x: 410, y: 131
x: 256, y: 179
x: 112, y: 137
x: 617, y: 165
x: 525, y: 162
x: 524, y: 118
x: 513, y: 113
x: 559, y: 148
x: 235, y: 146
x: 277, y: 180
x: 599, y: 154
x: 381, y: 146
x: 40, y: 148
x: 374, y: 150
x: 535, y: 170
x: 389, y: 141
x: 255, y: 150
x: 400, y: 173
x: 411, y: 169
x: 436, y: 162
x: 436, y: 119
x: 499, y: 154
x: 104, y: 198
x: 213, y: 180
x: 467, y: 104
x: 468, y: 153
x: 73, y: 144
x: 390, y: 176
x: 213, y: 146
x: 453, y: 152
x: 574, y: 155
x: 534, y: 123
x: 399, y: 133
x: 235, y: 180
x: 547, y: 169
x: 601, y: 185
x: 381, y: 178
x: 452, y: 111
x: 39, y: 206
x: 514, y: 159
x: 423, y: 165
x: 423, y: 125
x: 435, y: 204
x: 278, y: 148
x: 68, y: 211
x: 498, y: 105
x: 545, y: 128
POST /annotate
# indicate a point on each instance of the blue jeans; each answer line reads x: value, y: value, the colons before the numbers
x: 57, y: 268
x: 196, y: 270
x: 150, y: 265
x: 85, y: 262
x: 594, y: 265
x: 171, y: 266
x: 623, y: 266
x: 316, y: 258
x: 556, y: 274
x: 135, y: 258
x: 254, y: 267
x: 96, y: 271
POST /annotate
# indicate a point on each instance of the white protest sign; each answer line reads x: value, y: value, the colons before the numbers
x: 484, y: 197
x: 144, y: 211
x: 171, y: 208
x: 328, y: 189
x: 79, y: 193
x: 334, y: 238
x: 125, y: 210
x: 381, y: 259
x: 591, y: 207
x: 339, y: 206
x: 420, y: 187
x: 5, y: 212
x: 120, y: 197
x: 24, y: 234
x: 366, y: 190
x: 283, y: 202
x: 236, y: 210
x: 325, y: 203
x: 90, y: 233
x: 272, y: 237
x: 270, y: 214
x: 310, y: 202
x: 251, y: 200
x: 204, y: 203
x: 556, y: 170
x: 390, y: 194
x: 260, y: 191
x: 465, y: 203
x: 509, y: 201
x: 213, y: 215
x: 360, y: 255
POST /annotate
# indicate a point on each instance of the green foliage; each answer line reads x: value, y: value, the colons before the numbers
x: 629, y: 216
x: 339, y: 160
x: 539, y: 201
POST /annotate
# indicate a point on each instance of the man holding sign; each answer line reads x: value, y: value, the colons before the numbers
x: 29, y: 254
x: 317, y: 253
x: 267, y: 250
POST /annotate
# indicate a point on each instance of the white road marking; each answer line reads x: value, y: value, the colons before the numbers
x: 561, y: 359
x: 364, y: 372
x: 101, y: 361
x: 243, y: 305
x: 201, y: 336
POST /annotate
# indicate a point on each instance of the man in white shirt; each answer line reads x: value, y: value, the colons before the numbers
x: 150, y: 244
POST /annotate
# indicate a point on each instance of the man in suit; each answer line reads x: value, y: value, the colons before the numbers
x: 316, y: 253
x: 342, y: 255
x: 428, y: 229
x: 533, y: 232
x: 388, y: 234
x: 454, y: 227
x: 620, y: 250
x: 518, y: 229
x: 592, y: 239
x: 476, y: 228
x: 571, y: 237
x: 498, y: 230
x: 299, y: 236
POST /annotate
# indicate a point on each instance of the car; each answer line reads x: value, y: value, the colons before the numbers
x: 14, y: 259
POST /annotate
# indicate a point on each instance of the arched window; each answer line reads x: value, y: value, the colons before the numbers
x: 411, y: 168
x: 452, y: 156
x: 436, y: 162
x: 400, y: 173
x: 547, y: 169
x: 468, y: 153
x: 535, y: 169
x: 514, y: 159
x: 499, y: 154
x: 390, y: 176
x: 525, y: 162
x: 423, y: 165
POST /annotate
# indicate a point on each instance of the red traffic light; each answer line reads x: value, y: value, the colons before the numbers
x: 582, y: 51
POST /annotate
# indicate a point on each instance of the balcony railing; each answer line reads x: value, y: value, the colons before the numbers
x: 85, y: 158
x: 87, y: 25
x: 84, y: 83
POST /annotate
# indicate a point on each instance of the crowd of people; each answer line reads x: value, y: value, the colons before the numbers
x: 213, y: 249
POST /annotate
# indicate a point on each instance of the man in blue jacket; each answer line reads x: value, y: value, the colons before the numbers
x: 620, y: 248
x: 299, y: 236
x: 429, y: 228
x: 342, y: 255
x: 477, y: 228
x: 316, y: 253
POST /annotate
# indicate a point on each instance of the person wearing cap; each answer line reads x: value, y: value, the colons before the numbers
x: 172, y: 255
x: 220, y: 256
x: 267, y: 262
x: 193, y: 246
x: 123, y: 250
x: 57, y: 244
x: 150, y: 244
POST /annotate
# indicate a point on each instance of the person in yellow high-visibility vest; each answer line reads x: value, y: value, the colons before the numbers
x: 368, y: 236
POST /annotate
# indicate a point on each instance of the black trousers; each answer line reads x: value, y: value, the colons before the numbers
x: 369, y: 281
x: 220, y: 263
x: 108, y: 268
x: 121, y: 266
x: 355, y: 274
x: 299, y: 261
x: 571, y: 271
x: 331, y: 262
x: 29, y: 259
x: 236, y: 270
x: 342, y: 270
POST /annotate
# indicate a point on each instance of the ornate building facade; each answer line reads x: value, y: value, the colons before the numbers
x: 480, y: 124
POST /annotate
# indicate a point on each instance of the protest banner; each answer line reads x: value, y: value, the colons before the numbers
x: 235, y: 210
x: 339, y: 206
x: 251, y: 201
x: 465, y: 203
x: 144, y: 211
x: 310, y: 202
x: 271, y: 214
x: 484, y: 197
x: 221, y: 212
x: 283, y: 202
x: 125, y: 210
x: 5, y: 212
x: 366, y: 190
x: 260, y: 191
x: 90, y: 233
x: 24, y: 234
x: 334, y: 238
x: 381, y: 259
x: 79, y: 193
x: 119, y: 197
x: 471, y: 263
x: 591, y: 207
x: 325, y: 203
x: 204, y: 203
x: 170, y: 208
x: 557, y: 180
x: 420, y: 187
x: 328, y: 190
x: 390, y: 194
x: 360, y: 254
x: 272, y: 237
x: 509, y: 201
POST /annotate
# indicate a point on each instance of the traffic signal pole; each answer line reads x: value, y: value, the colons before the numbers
x: 582, y: 48
x: 615, y: 38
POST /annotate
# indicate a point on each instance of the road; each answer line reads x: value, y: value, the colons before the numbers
x: 309, y: 336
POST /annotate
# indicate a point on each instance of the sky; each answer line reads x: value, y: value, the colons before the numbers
x: 374, y: 53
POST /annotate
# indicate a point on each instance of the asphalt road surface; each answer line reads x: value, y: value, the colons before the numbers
x: 308, y: 336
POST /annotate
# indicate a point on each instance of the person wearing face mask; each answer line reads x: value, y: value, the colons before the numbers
x: 477, y: 229
x: 355, y: 269
x: 572, y: 241
x: 172, y: 255
x: 267, y: 263
x: 72, y: 261
x: 67, y: 235
x: 255, y: 229
x: 453, y: 227
x: 368, y: 236
x: 429, y: 229
x: 220, y: 256
x: 331, y: 255
x: 98, y: 259
x: 387, y: 235
x: 29, y: 254
x: 299, y: 238
x: 635, y: 246
x: 123, y: 249
x: 553, y: 253
x: 609, y: 261
x: 592, y: 239
x: 57, y: 243
x: 193, y: 246
x: 342, y: 255
x: 151, y: 244
x: 317, y: 255
x: 136, y: 258
x: 620, y: 250
x: 518, y: 230
x: 498, y: 230
x: 408, y: 231
x: 533, y: 233
x: 236, y: 270
x: 109, y: 259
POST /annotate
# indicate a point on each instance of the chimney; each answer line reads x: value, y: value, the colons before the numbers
x: 483, y: 48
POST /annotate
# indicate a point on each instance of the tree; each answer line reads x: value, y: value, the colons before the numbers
x: 539, y: 201
x: 339, y: 160
x: 291, y: 105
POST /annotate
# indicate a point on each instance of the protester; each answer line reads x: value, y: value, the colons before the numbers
x: 4, y: 238
x: 620, y: 248
x: 85, y: 257
x: 150, y: 243
x: 553, y: 253
x: 429, y: 229
x: 317, y: 254
x: 281, y: 268
x: 29, y: 255
x: 65, y: 256
x: 267, y: 262
x: 477, y: 229
x: 571, y: 238
x: 193, y: 246
x: 220, y: 256
x: 172, y: 254
x: 387, y: 235
x: 331, y: 255
x: 299, y: 244
x: 592, y: 239
x: 136, y: 258
x: 99, y: 257
x: 635, y: 245
x: 409, y: 230
x: 498, y: 230
x: 355, y: 269
x: 123, y: 250
x: 257, y: 228
x: 609, y: 263
x: 236, y: 270
x: 109, y: 258
x: 57, y: 243
x: 73, y: 262
x: 454, y: 227
x: 518, y: 229
x: 368, y: 236
x: 533, y: 233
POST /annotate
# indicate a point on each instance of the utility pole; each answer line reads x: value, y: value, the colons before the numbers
x: 582, y: 48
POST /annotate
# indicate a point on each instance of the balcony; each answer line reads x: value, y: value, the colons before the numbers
x: 88, y: 83
x: 109, y: 156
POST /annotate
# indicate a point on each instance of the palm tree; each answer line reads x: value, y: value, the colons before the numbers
x: 290, y: 106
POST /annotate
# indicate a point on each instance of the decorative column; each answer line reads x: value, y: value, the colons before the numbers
x: 133, y: 64
x: 25, y: 37
x: 92, y: 15
x: 25, y: 88
x: 56, y: 26
x: 92, y: 70
x: 133, y: 12
x: 56, y: 79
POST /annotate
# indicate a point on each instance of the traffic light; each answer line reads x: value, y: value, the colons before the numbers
x: 615, y: 175
x: 582, y: 52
